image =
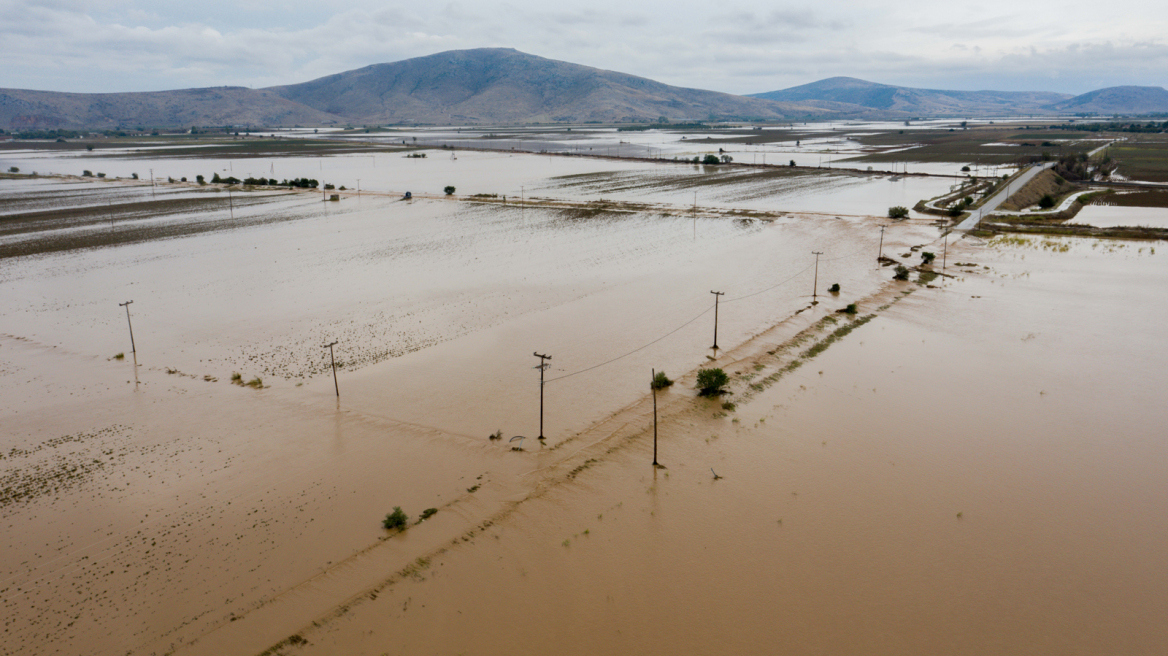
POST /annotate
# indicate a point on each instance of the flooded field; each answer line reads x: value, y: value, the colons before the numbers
x: 970, y: 467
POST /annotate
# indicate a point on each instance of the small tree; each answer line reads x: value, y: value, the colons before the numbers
x: 792, y: 162
x: 965, y: 169
x: 834, y: 289
x: 660, y: 381
x: 396, y: 519
x: 87, y: 173
x: 711, y: 159
x: 215, y: 178
x: 13, y: 169
x: 898, y: 212
x: 726, y: 159
x: 901, y: 272
x: 1046, y: 202
x: 711, y: 381
x: 449, y: 189
x: 200, y: 179
x: 134, y: 176
x: 928, y: 257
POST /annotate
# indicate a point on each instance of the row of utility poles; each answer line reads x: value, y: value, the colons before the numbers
x: 544, y: 358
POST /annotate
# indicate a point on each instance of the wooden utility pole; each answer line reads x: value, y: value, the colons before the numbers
x: 717, y: 295
x: 152, y: 184
x: 815, y: 284
x: 542, y: 367
x: 334, y: 363
x: 945, y: 253
x: 133, y: 349
x: 231, y: 203
x: 880, y: 253
x: 653, y: 386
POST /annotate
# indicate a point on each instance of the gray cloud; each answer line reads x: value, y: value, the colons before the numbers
x: 735, y: 46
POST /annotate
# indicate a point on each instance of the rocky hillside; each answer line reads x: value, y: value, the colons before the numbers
x: 501, y: 85
x: 916, y: 102
x: 1118, y: 100
x: 21, y: 109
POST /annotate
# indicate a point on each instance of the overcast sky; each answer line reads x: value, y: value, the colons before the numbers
x: 734, y: 46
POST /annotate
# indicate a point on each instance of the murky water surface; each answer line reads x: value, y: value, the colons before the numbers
x: 152, y: 505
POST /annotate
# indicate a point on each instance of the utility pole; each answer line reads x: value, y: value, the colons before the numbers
x: 133, y: 349
x: 945, y: 253
x: 695, y: 216
x: 880, y: 253
x: 152, y: 195
x: 815, y: 284
x: 334, y: 362
x: 717, y: 295
x: 653, y: 386
x: 542, y: 368
x: 358, y: 187
x: 231, y: 203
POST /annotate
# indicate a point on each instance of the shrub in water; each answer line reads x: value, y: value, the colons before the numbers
x: 901, y: 272
x: 711, y: 381
x: 928, y: 257
x: 898, y: 212
x: 449, y: 189
x: 660, y: 381
x: 427, y: 514
x: 851, y: 308
x: 396, y: 519
x: 834, y: 289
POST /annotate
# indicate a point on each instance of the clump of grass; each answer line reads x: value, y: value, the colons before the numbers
x: 120, y: 356
x: 255, y: 383
x: 427, y: 514
x: 236, y: 378
x: 926, y: 277
x: 660, y: 381
x: 850, y: 309
x: 901, y: 272
x: 712, y: 381
x: 729, y: 406
x: 396, y: 519
x: 497, y: 435
x: 473, y: 489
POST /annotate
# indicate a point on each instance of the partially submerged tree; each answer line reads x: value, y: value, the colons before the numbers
x: 711, y: 381
x: 898, y: 212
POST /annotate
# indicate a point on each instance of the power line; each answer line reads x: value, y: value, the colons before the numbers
x: 639, y: 348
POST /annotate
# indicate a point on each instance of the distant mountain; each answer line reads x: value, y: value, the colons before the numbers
x: 502, y: 85
x: 1118, y: 100
x: 916, y: 102
x: 23, y: 109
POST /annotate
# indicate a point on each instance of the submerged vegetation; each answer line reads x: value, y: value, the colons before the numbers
x: 712, y: 382
x: 396, y: 519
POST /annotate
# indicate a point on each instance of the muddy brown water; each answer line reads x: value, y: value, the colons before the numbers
x: 171, y: 512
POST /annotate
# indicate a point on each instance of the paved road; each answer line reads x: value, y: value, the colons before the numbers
x: 998, y: 198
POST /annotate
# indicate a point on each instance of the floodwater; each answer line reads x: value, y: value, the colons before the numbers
x: 1104, y: 216
x: 977, y: 470
x: 152, y: 506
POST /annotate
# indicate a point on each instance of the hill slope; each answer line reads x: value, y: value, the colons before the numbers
x: 1118, y: 100
x: 501, y: 85
x: 24, y: 109
x: 917, y: 102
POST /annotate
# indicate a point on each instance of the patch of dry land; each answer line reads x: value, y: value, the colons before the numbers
x: 970, y: 463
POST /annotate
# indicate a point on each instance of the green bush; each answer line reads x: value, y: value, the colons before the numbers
x: 427, y: 514
x: 711, y: 159
x: 711, y: 381
x: 1046, y: 202
x: 850, y: 309
x: 13, y: 169
x: 901, y: 272
x: 396, y: 519
x: 834, y: 289
x: 200, y: 179
x: 898, y: 212
x: 928, y: 257
x: 449, y: 189
x: 660, y: 381
x: 792, y: 162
